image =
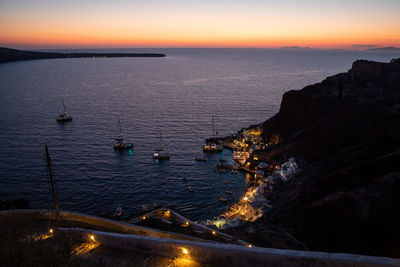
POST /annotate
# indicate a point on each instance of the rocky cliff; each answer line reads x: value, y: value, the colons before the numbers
x: 347, y: 196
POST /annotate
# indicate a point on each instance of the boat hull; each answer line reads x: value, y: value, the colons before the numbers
x: 64, y: 119
x: 123, y: 146
x: 161, y: 157
x: 212, y: 150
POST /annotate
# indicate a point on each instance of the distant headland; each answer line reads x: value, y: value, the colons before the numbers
x: 295, y: 47
x: 385, y: 49
x: 10, y: 55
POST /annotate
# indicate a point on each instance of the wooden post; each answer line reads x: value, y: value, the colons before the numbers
x: 53, y: 188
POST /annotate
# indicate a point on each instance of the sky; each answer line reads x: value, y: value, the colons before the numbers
x: 356, y: 24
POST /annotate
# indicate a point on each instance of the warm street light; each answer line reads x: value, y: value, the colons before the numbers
x: 185, y: 251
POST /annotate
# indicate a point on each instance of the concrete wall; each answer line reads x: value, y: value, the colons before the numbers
x: 116, y: 226
x: 165, y: 244
x: 228, y: 255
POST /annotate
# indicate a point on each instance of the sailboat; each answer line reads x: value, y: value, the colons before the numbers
x: 212, y: 146
x: 63, y: 117
x: 160, y: 153
x: 119, y: 141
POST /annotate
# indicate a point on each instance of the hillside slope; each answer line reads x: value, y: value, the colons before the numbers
x: 347, y: 196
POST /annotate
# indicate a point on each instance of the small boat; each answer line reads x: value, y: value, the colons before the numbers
x: 201, y: 159
x: 118, y: 212
x: 222, y: 199
x: 228, y: 191
x: 213, y: 146
x: 64, y: 117
x: 165, y: 190
x: 222, y: 160
x: 185, y: 179
x: 191, y: 189
x: 225, y: 182
x: 160, y: 153
x: 120, y: 145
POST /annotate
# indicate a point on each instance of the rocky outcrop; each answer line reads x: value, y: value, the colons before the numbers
x: 347, y: 198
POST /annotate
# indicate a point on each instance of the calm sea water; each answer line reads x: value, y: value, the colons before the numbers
x: 177, y: 94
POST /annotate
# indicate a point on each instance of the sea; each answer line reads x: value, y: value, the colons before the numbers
x: 176, y: 95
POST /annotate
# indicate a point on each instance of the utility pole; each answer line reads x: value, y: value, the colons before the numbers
x: 53, y: 188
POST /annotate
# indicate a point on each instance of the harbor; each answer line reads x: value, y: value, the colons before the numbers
x: 261, y: 174
x: 153, y: 170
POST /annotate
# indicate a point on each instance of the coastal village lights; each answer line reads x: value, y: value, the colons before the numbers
x: 249, y: 208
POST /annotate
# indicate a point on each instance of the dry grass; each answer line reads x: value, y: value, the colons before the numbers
x: 29, y: 243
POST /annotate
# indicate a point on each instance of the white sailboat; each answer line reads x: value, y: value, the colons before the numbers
x: 213, y: 146
x: 160, y: 153
x: 119, y: 141
x: 63, y: 117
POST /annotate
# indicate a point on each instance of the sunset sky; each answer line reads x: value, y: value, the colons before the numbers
x: 190, y: 23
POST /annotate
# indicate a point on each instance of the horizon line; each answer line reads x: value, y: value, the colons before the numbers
x: 294, y: 47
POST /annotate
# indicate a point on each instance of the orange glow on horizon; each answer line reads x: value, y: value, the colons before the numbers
x: 87, y: 39
x: 204, y: 25
x: 76, y: 40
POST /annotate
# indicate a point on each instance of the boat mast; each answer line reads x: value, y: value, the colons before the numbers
x: 120, y: 131
x: 213, y: 128
x: 53, y: 188
x: 62, y: 100
x: 162, y: 146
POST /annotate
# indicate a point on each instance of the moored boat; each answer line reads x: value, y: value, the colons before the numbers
x: 201, y: 159
x: 213, y: 145
x: 160, y: 153
x: 118, y: 212
x: 222, y: 199
x: 64, y: 117
x: 119, y: 141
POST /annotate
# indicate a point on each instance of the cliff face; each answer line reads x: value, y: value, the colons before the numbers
x: 347, y: 198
